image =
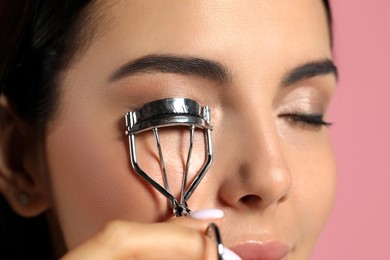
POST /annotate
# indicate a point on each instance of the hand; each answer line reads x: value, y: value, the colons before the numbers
x: 179, y: 238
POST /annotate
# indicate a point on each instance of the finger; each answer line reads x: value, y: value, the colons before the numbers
x: 124, y: 240
x: 205, y: 217
x: 200, y: 219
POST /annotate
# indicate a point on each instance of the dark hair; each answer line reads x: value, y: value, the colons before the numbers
x: 37, y: 40
x: 330, y: 19
x: 328, y: 10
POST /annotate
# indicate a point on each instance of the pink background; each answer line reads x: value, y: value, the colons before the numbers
x: 360, y: 225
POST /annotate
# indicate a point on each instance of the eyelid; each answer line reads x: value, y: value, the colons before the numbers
x: 306, y: 98
x: 307, y: 120
x: 303, y: 105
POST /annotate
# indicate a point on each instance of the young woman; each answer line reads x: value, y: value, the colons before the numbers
x: 71, y: 70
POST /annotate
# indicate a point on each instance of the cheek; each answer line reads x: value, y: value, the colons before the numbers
x: 314, y: 189
x: 93, y: 182
x: 91, y: 179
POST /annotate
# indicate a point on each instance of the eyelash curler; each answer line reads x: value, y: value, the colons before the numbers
x: 171, y: 112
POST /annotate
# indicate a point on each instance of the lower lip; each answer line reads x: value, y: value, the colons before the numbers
x: 261, y: 251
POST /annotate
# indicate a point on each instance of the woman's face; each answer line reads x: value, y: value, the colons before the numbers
x: 273, y: 172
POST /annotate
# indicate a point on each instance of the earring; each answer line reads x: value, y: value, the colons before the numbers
x: 23, y: 198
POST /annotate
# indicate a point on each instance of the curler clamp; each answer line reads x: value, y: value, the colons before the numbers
x: 170, y: 113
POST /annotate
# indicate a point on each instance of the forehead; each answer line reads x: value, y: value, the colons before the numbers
x: 261, y: 30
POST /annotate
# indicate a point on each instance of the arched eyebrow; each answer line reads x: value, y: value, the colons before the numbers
x: 310, y: 70
x: 185, y: 65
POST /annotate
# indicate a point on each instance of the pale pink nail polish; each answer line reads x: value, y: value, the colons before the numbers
x: 230, y: 255
x: 207, y: 214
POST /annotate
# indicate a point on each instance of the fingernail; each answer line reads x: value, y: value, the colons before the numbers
x: 207, y: 213
x: 230, y: 255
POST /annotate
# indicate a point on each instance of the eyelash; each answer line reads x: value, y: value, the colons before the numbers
x: 310, y: 120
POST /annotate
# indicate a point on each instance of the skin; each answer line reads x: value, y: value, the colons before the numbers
x: 274, y: 178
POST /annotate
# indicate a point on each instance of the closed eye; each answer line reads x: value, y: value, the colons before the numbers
x: 306, y: 120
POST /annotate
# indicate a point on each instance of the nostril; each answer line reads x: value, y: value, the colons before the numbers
x: 253, y: 200
x: 250, y: 199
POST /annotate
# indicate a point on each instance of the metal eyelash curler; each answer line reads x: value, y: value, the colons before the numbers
x: 169, y: 113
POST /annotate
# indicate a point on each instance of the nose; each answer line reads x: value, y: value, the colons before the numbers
x: 256, y: 174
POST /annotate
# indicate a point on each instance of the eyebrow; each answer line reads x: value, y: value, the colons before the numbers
x: 185, y: 65
x: 310, y: 70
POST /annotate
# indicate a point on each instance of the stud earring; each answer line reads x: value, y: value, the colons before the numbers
x: 23, y: 198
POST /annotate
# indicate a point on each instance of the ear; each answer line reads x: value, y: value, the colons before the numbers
x: 20, y: 182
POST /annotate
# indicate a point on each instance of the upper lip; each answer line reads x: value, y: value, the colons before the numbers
x: 257, y: 250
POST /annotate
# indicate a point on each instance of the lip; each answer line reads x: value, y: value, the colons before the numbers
x: 254, y: 250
